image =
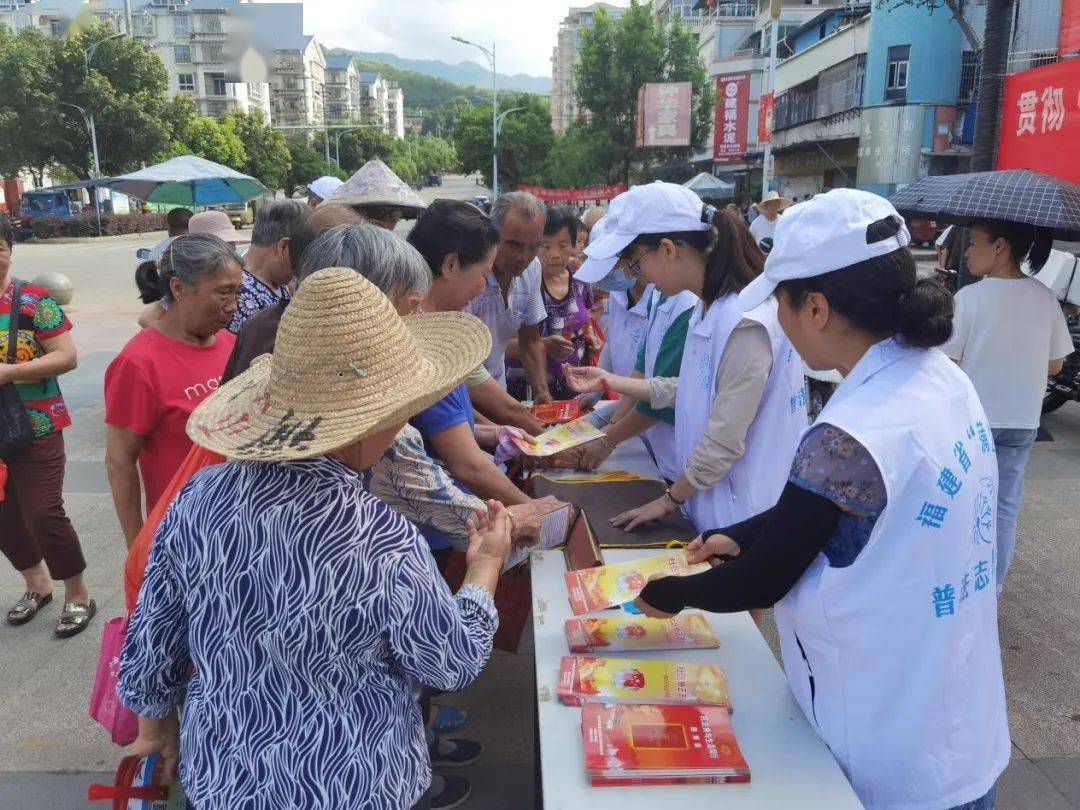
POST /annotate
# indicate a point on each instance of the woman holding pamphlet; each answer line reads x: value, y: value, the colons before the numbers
x: 879, y: 553
x: 738, y: 405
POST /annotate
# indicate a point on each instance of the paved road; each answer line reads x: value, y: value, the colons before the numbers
x: 49, y: 747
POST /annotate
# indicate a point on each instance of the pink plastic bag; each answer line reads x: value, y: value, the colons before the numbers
x: 105, y: 706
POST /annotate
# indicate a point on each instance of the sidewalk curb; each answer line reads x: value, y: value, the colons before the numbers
x: 155, y: 236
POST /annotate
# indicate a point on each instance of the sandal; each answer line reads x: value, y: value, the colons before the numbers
x: 74, y: 618
x: 449, y: 719
x: 27, y: 607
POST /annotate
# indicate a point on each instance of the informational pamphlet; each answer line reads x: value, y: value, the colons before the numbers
x: 554, y: 526
x: 606, y: 586
x: 556, y: 413
x: 558, y: 439
x: 687, y: 631
x: 640, y: 680
x: 660, y: 745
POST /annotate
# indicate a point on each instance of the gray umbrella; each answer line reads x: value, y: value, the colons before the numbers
x: 1017, y: 195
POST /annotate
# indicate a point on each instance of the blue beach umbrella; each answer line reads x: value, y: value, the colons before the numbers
x: 189, y: 181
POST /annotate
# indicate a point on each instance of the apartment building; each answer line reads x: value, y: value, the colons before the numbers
x: 298, y: 84
x: 564, y: 58
x: 190, y: 36
x: 395, y: 109
x: 342, y: 90
x: 375, y: 99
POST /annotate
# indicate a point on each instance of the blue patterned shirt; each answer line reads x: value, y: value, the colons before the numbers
x: 254, y: 296
x: 296, y: 610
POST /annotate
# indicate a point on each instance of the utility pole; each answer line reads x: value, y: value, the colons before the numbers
x: 127, y: 18
x: 494, y: 113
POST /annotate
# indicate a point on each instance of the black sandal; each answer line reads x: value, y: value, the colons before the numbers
x: 27, y: 607
x: 74, y: 618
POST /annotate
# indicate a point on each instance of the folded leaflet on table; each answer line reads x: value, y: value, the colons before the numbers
x: 584, y: 679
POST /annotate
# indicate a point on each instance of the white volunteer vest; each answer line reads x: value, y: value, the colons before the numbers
x: 755, y: 481
x: 895, y: 659
x: 625, y: 330
x: 660, y: 438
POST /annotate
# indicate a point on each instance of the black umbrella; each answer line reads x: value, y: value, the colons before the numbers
x: 1017, y: 195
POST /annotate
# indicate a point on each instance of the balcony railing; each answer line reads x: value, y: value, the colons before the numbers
x: 835, y: 90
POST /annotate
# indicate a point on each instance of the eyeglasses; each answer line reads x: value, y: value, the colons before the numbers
x: 633, y: 269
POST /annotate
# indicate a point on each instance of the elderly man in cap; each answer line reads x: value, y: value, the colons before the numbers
x: 511, y: 306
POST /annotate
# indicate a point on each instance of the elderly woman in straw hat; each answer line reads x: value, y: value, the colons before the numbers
x: 379, y: 195
x: 302, y: 606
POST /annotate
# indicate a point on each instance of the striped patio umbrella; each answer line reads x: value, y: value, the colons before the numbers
x: 189, y: 181
x: 1017, y: 195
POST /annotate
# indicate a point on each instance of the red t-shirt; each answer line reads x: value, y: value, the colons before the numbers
x: 152, y: 387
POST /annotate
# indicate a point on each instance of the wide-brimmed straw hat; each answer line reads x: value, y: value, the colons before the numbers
x: 345, y: 366
x: 774, y: 197
x: 376, y: 184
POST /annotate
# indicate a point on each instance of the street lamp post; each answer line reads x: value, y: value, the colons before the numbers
x: 89, y: 122
x: 88, y: 54
x: 494, y: 114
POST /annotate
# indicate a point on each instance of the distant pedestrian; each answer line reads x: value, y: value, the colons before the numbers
x: 319, y: 190
x: 379, y: 195
x: 1008, y: 334
x: 268, y: 267
x: 770, y: 208
x: 163, y: 372
x: 177, y: 223
x: 216, y: 223
x: 35, y: 531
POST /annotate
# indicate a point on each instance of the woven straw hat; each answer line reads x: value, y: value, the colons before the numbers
x: 345, y: 366
x: 376, y: 184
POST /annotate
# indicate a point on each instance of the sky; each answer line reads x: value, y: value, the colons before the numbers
x: 524, y: 30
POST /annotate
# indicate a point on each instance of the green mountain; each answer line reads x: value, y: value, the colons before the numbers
x: 465, y: 72
x: 421, y: 92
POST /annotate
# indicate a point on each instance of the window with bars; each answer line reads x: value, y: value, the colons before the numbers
x: 896, y: 74
x: 213, y: 54
x: 145, y: 25
x: 210, y: 23
x: 215, y: 84
x: 186, y: 82
x: 969, y: 76
x: 181, y: 25
x: 182, y: 54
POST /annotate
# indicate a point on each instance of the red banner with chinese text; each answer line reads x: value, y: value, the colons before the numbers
x: 575, y: 195
x: 732, y: 117
x: 765, y: 118
x: 1069, y: 37
x: 1040, y: 121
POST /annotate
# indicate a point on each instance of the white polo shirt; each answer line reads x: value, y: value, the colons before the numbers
x: 524, y: 307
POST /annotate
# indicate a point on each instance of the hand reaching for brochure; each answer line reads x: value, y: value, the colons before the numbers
x: 712, y: 544
x: 585, y: 379
x: 527, y: 518
x: 558, y: 347
x: 592, y: 455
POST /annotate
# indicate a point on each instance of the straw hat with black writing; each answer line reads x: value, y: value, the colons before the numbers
x: 345, y: 366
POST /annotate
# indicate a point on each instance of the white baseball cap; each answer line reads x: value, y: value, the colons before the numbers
x: 324, y: 186
x: 826, y: 233
x: 592, y: 270
x: 651, y: 208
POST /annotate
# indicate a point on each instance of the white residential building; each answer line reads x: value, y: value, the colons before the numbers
x: 298, y: 85
x: 564, y: 58
x: 375, y: 99
x: 342, y: 90
x: 396, y: 110
x: 192, y: 37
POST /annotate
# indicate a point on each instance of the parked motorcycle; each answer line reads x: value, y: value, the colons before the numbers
x: 1065, y: 387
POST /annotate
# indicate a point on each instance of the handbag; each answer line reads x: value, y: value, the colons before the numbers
x: 15, y: 429
x: 105, y: 706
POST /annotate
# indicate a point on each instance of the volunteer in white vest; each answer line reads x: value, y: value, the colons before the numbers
x: 655, y: 350
x: 880, y: 549
x: 739, y: 399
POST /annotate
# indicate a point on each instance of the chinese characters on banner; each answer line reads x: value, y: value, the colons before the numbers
x: 732, y: 117
x: 1069, y: 38
x: 664, y: 114
x: 574, y: 195
x: 765, y: 118
x: 1040, y: 121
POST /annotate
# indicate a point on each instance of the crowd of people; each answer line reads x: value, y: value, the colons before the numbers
x: 300, y: 437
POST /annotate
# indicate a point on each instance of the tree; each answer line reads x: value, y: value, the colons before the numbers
x: 125, y: 90
x: 617, y: 57
x: 306, y: 163
x: 215, y: 140
x: 405, y: 168
x: 361, y: 145
x: 580, y: 158
x: 268, y: 159
x: 441, y: 120
x: 524, y: 142
x: 29, y: 117
x: 433, y: 155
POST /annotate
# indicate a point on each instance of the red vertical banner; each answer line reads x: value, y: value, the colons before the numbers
x: 1040, y: 121
x: 765, y: 118
x: 1069, y: 37
x: 732, y: 117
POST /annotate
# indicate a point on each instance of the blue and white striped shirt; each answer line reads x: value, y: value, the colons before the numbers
x: 306, y: 608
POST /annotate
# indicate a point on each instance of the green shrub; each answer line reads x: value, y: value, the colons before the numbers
x: 85, y: 224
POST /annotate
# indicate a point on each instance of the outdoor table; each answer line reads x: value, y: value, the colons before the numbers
x: 790, y: 765
x: 631, y: 456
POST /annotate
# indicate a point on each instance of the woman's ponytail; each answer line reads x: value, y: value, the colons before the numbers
x: 148, y: 280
